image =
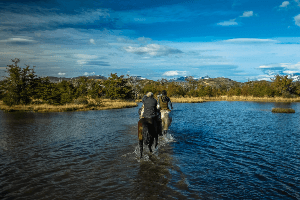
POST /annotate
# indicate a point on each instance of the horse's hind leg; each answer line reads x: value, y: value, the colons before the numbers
x: 140, y: 136
x: 156, y: 140
x: 150, y: 143
x: 141, y: 147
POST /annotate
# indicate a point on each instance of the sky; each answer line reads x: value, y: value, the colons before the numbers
x: 237, y: 39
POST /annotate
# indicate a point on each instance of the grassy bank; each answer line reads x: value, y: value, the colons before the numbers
x: 117, y: 104
x: 233, y: 98
x: 105, y: 105
x: 283, y: 110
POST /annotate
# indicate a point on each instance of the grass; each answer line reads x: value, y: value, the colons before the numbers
x: 117, y: 104
x: 283, y: 110
x: 105, y: 105
x: 233, y: 98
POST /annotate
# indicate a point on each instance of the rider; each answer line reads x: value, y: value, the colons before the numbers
x: 150, y: 109
x: 163, y: 102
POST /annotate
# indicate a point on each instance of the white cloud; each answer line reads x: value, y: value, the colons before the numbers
x: 174, y: 73
x: 84, y: 58
x: 280, y: 68
x: 284, y: 4
x: 290, y: 72
x: 144, y: 40
x: 264, y: 67
x: 231, y: 22
x: 152, y: 50
x: 247, y: 14
x: 15, y: 39
x: 32, y: 18
x: 291, y: 66
x: 297, y: 20
x: 87, y: 74
x: 61, y: 74
x: 250, y: 40
x: 92, y: 41
x: 81, y: 62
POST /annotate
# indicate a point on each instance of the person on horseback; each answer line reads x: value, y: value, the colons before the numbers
x: 163, y: 102
x: 148, y: 125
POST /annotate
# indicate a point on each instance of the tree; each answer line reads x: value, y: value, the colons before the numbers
x: 43, y: 89
x: 116, y: 87
x: 19, y: 85
x: 175, y: 90
x: 282, y: 85
x: 1, y: 89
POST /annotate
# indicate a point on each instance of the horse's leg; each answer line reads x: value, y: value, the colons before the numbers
x: 156, y: 140
x: 156, y: 131
x: 141, y: 148
x: 150, y: 143
x: 140, y: 136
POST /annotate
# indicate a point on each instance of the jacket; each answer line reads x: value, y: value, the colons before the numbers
x: 150, y: 107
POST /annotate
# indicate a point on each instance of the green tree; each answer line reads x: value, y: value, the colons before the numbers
x: 1, y: 89
x: 95, y: 89
x: 81, y: 86
x: 66, y: 91
x: 116, y: 87
x: 19, y: 85
x: 175, y: 90
x: 282, y: 85
x: 43, y: 89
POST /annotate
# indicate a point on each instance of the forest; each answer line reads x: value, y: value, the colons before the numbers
x: 23, y: 86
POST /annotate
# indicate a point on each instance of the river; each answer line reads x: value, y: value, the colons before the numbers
x: 214, y: 150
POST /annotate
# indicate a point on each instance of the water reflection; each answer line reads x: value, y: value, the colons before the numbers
x: 218, y: 150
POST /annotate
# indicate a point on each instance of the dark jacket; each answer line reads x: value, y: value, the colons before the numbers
x: 164, y: 102
x: 150, y: 107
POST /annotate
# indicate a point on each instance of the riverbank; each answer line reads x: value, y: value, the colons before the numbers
x: 233, y: 98
x: 106, y: 104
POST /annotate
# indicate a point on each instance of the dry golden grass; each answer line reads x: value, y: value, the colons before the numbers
x: 106, y: 104
x: 233, y: 98
x: 283, y: 110
x: 187, y: 100
x: 117, y: 104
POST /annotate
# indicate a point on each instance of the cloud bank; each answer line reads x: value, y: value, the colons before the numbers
x: 175, y: 73
x: 152, y: 50
x: 284, y: 4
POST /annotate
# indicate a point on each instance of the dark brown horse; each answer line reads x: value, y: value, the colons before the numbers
x: 148, y: 130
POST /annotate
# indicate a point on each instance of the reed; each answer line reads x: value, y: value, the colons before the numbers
x: 283, y: 110
x: 105, y: 105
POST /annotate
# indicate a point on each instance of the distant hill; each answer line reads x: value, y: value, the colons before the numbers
x: 59, y: 79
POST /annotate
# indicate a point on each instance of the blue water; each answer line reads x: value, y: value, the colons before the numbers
x: 214, y: 150
x: 242, y: 150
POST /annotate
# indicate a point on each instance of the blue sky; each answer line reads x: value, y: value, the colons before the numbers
x: 238, y: 39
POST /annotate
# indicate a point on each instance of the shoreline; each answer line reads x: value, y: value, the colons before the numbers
x: 107, y: 104
x: 233, y: 98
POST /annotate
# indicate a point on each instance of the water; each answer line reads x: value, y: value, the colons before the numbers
x: 215, y: 150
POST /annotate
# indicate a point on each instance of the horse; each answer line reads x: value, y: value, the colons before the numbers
x: 148, y: 130
x: 147, y: 133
